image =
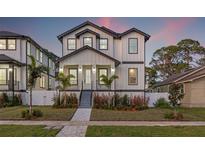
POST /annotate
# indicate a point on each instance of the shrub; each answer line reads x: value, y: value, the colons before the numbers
x: 6, y: 100
x: 65, y: 101
x: 25, y: 114
x: 139, y: 102
x: 102, y: 102
x: 37, y: 113
x: 174, y: 116
x: 162, y: 103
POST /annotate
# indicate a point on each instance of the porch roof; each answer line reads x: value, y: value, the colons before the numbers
x: 117, y: 62
x: 4, y: 59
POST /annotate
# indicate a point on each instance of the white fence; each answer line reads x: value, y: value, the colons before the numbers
x: 153, y: 97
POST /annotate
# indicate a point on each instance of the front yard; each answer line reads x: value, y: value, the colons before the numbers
x: 145, y: 131
x: 151, y: 114
x: 49, y: 113
x: 26, y: 131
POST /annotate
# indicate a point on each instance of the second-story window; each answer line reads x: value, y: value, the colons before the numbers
x: 132, y: 45
x: 41, y: 57
x: 103, y: 44
x: 87, y: 41
x: 71, y: 44
x: 37, y: 54
x: 2, y: 44
x: 28, y: 48
x: 11, y: 44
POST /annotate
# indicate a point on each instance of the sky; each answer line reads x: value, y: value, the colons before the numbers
x: 163, y: 31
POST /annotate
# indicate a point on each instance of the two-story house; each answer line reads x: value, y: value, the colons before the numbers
x: 89, y: 51
x: 14, y: 51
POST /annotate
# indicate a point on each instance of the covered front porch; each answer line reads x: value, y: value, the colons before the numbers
x: 10, y: 74
x: 87, y: 65
x: 87, y: 77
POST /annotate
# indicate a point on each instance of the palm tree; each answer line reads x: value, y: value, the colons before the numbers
x: 64, y: 80
x: 64, y: 83
x: 108, y: 80
x: 34, y: 73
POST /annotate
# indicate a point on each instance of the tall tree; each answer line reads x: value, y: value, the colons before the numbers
x: 35, y: 72
x: 151, y: 76
x: 191, y: 51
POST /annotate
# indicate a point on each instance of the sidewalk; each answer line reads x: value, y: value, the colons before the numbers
x: 105, y: 123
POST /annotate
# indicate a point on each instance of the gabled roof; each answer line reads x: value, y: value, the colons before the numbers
x: 183, y: 77
x: 8, y: 34
x: 104, y: 29
x: 4, y: 59
x: 87, y: 31
x: 117, y: 62
x: 147, y: 36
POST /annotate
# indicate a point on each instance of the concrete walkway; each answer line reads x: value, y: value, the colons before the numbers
x: 81, y: 115
x: 105, y: 123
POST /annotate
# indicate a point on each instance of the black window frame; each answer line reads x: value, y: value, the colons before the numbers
x: 76, y: 76
x: 91, y: 41
x: 6, y: 39
x: 136, y: 76
x: 107, y: 43
x: 99, y: 75
x: 129, y: 45
x: 68, y: 43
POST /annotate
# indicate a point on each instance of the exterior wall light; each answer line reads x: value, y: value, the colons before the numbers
x: 94, y: 69
x: 10, y: 69
x: 113, y: 70
x: 80, y: 69
x: 61, y: 69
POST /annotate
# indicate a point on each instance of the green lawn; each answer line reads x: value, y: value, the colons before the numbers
x: 146, y: 131
x: 26, y: 131
x: 49, y: 113
x: 152, y: 114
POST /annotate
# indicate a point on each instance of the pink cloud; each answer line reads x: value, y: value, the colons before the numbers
x: 171, y: 29
x: 112, y: 23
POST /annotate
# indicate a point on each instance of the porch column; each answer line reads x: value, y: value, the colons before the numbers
x: 94, y: 77
x: 80, y: 76
x: 112, y: 73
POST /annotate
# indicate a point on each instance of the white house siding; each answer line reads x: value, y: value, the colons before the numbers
x: 15, y: 54
x: 122, y: 72
x: 79, y: 45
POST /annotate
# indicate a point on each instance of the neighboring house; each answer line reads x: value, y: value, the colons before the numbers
x: 89, y: 51
x: 14, y: 51
x: 193, y: 82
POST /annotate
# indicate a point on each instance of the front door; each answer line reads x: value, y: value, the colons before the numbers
x: 87, y: 78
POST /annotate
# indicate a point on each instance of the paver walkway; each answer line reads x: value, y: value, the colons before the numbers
x: 81, y: 115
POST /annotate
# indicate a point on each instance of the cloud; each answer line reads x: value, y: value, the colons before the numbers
x: 112, y: 23
x: 172, y: 29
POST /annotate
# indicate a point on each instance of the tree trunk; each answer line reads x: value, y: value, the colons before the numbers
x: 30, y: 106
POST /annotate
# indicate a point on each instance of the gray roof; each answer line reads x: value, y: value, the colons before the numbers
x: 4, y: 59
x: 174, y: 77
x: 8, y: 34
x: 104, y: 29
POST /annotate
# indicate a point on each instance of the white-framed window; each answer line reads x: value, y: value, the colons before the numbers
x: 3, y: 76
x: 132, y: 76
x: 42, y: 82
x: 132, y: 45
x: 11, y: 44
x: 102, y: 71
x: 103, y: 44
x: 41, y: 57
x: 37, y: 54
x: 28, y: 48
x: 74, y: 72
x: 88, y: 41
x: 2, y: 44
x: 71, y: 44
